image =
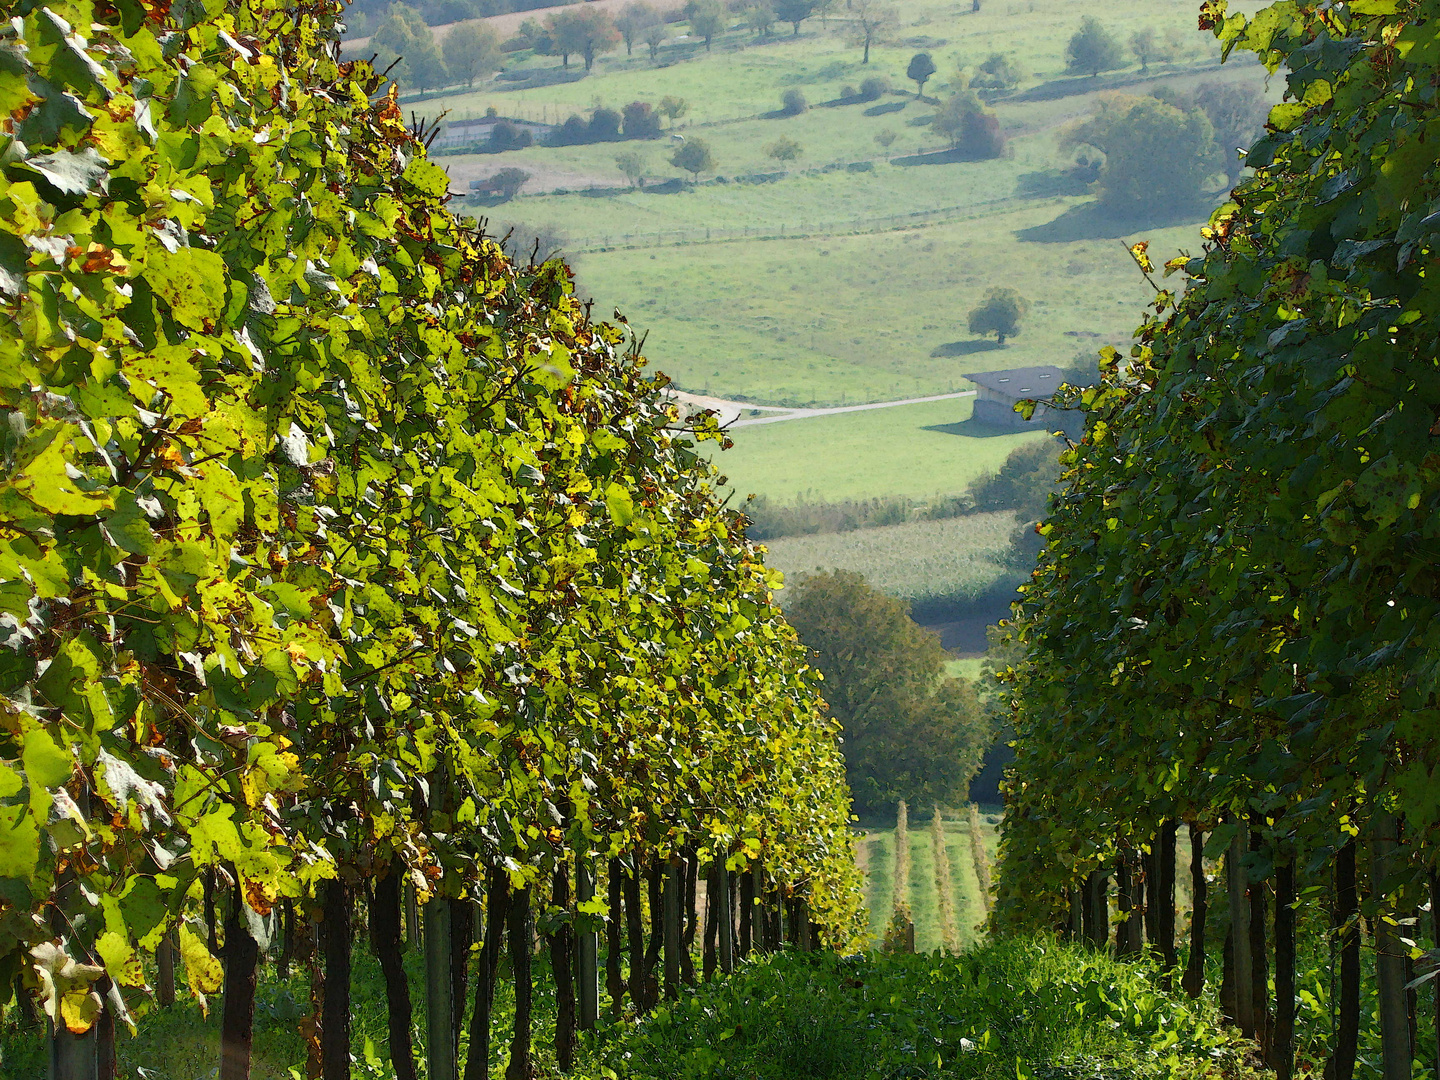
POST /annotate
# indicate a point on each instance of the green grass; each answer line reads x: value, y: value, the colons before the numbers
x: 915, y: 451
x: 1015, y: 1008
x: 969, y: 912
x: 849, y: 319
x: 880, y: 882
x: 959, y: 558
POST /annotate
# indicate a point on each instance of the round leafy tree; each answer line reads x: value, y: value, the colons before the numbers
x: 1000, y: 314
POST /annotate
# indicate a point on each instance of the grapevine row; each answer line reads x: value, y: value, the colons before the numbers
x: 1233, y: 623
x: 340, y: 551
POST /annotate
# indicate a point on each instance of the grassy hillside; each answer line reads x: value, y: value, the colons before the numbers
x: 847, y: 275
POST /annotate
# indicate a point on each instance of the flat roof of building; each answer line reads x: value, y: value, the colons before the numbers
x: 1020, y: 382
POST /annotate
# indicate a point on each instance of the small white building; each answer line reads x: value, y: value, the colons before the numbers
x: 998, y: 391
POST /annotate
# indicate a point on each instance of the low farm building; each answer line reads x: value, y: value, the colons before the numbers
x: 998, y: 391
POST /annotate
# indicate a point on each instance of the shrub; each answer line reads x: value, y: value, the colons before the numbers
x: 574, y: 131
x: 873, y: 88
x: 784, y: 149
x: 793, y: 103
x: 604, y: 125
x: 507, y: 136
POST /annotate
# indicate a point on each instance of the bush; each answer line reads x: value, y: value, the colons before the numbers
x: 574, y: 131
x: 873, y: 88
x: 971, y: 128
x: 784, y: 149
x: 605, y: 125
x: 507, y: 136
x: 793, y: 103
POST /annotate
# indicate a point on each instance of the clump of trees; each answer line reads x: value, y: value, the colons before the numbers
x: 760, y: 18
x: 997, y: 72
x: 638, y: 120
x: 971, y: 128
x: 633, y: 21
x: 1158, y: 154
x: 910, y: 731
x: 1093, y: 49
x: 507, y: 136
x: 793, y: 103
x: 584, y: 31
x: 1000, y: 314
x: 1237, y: 115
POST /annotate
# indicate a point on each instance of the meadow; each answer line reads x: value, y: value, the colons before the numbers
x: 916, y: 451
x: 957, y: 558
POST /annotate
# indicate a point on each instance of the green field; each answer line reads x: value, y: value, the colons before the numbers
x: 957, y: 558
x: 924, y: 909
x: 916, y: 451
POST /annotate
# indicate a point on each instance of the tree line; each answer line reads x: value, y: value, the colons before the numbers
x: 1230, y: 629
x: 343, y: 555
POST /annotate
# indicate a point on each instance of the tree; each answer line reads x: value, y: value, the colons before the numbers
x: 471, y: 49
x: 707, y: 18
x: 585, y: 30
x: 632, y: 164
x: 1093, y: 49
x: 871, y: 20
x: 654, y: 37
x: 673, y: 107
x: 760, y: 18
x: 641, y: 121
x: 694, y: 157
x: 604, y: 125
x: 633, y: 21
x: 794, y: 12
x: 784, y: 149
x: 404, y: 40
x: 536, y: 38
x: 1237, y: 114
x: 909, y: 731
x: 997, y: 72
x: 1157, y: 156
x: 1000, y: 314
x: 971, y: 128
x: 1145, y: 44
x: 792, y: 102
x: 919, y: 72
